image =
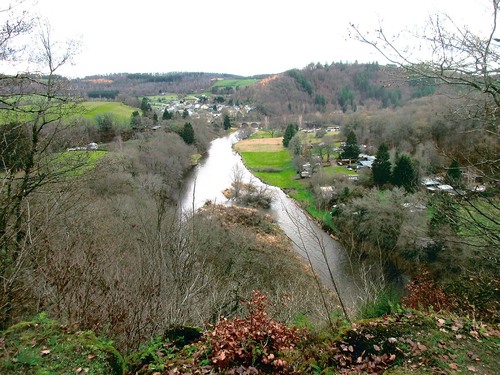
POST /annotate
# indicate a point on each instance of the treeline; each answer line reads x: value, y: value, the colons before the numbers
x: 337, y: 87
x: 146, y: 84
x: 163, y: 77
x: 103, y: 94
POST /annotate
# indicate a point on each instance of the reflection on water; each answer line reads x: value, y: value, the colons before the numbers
x: 215, y: 173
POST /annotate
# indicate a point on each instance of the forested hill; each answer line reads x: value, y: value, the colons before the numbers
x: 336, y: 87
x: 110, y: 86
x: 315, y: 88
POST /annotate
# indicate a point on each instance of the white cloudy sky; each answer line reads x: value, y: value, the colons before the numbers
x: 231, y: 36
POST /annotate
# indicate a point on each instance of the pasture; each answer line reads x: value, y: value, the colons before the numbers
x: 234, y: 83
x: 119, y: 110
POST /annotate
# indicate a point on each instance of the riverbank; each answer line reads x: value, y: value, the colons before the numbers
x: 271, y: 162
x: 217, y: 172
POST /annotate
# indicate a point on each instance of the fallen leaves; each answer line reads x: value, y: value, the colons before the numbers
x: 453, y: 366
x: 473, y: 356
x: 474, y: 334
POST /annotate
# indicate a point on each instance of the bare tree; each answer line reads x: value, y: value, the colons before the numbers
x: 34, y: 107
x: 15, y: 23
x: 467, y: 64
x: 238, y: 175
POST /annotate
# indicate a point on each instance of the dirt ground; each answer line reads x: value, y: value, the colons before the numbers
x: 260, y: 145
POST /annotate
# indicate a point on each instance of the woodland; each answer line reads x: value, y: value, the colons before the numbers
x: 101, y: 272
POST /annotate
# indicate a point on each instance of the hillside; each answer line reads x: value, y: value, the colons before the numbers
x: 337, y: 87
x: 146, y: 84
x: 317, y: 90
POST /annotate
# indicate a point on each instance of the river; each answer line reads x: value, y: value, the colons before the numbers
x: 326, y: 256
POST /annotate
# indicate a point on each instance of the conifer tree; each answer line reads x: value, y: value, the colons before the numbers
x: 351, y: 148
x: 145, y: 107
x: 404, y: 173
x: 227, y: 122
x: 382, y: 166
x: 454, y: 174
x: 188, y: 133
x: 166, y: 115
x: 289, y: 133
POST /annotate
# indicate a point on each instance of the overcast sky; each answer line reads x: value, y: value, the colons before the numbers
x: 231, y: 36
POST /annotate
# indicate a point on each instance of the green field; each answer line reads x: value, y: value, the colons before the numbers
x: 261, y: 160
x: 235, y: 83
x: 165, y: 98
x: 274, y: 168
x: 74, y: 163
x: 119, y: 110
x: 261, y: 134
x: 88, y: 110
x: 277, y: 169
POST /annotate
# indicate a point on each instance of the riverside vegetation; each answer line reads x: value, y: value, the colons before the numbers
x: 101, y: 273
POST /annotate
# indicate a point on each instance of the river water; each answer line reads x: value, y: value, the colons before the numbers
x: 326, y: 256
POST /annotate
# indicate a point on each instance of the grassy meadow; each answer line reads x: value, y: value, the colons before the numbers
x: 119, y: 110
x: 235, y: 83
x: 270, y: 161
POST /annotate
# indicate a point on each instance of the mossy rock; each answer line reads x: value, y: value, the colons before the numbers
x: 42, y: 346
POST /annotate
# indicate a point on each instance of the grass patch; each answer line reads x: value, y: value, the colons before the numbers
x: 385, y: 302
x: 195, y: 158
x: 402, y: 342
x: 261, y: 160
x: 74, y: 163
x: 272, y: 163
x: 165, y: 98
x: 283, y: 179
x: 87, y: 110
x: 338, y: 169
x: 310, y: 138
x: 262, y: 134
x: 119, y: 110
x: 234, y: 83
x: 482, y: 211
x: 42, y: 346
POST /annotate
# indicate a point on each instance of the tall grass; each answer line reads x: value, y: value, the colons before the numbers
x: 385, y: 302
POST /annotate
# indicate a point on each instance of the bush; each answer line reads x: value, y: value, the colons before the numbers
x: 425, y: 294
x: 257, y: 340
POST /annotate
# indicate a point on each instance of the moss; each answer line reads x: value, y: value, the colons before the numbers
x: 42, y: 346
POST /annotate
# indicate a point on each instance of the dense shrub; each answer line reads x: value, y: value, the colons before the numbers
x: 258, y: 340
